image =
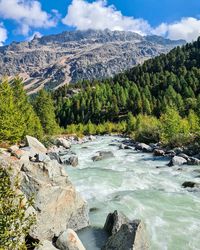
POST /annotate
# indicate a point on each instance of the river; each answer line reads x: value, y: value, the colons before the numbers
x: 130, y: 182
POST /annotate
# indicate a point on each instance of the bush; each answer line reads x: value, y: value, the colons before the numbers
x: 14, y: 224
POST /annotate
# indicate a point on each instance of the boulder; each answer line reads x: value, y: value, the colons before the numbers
x: 57, y: 204
x: 13, y: 148
x: 144, y: 147
x: 35, y: 145
x: 158, y: 152
x: 190, y: 184
x: 126, y: 235
x: 64, y: 143
x: 114, y: 221
x: 45, y: 245
x: 193, y: 161
x: 170, y: 153
x: 73, y: 161
x: 18, y: 153
x: 42, y: 157
x: 177, y: 161
x: 184, y: 156
x: 102, y: 155
x: 123, y: 146
x: 68, y: 240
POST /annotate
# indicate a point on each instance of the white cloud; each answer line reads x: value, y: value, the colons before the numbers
x: 27, y: 13
x: 187, y: 29
x: 84, y: 15
x: 98, y: 15
x: 3, y: 34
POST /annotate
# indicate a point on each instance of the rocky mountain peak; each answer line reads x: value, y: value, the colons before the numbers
x: 54, y: 60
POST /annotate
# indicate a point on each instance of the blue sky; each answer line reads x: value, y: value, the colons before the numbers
x: 175, y: 19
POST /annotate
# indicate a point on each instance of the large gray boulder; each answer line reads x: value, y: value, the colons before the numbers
x: 35, y: 145
x: 114, y: 221
x: 57, y: 204
x: 177, y: 161
x: 68, y: 240
x: 125, y: 234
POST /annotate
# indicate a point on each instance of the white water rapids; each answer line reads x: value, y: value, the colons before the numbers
x: 131, y: 183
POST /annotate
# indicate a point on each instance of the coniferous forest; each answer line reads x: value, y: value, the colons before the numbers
x: 156, y: 101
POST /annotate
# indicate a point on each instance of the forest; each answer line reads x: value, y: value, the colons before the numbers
x: 156, y: 101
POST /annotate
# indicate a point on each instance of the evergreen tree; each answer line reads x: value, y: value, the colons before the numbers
x: 44, y: 108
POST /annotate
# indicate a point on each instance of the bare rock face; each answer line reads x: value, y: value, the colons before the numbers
x: 68, y: 240
x: 57, y: 204
x: 55, y: 60
x: 45, y: 245
x: 125, y: 234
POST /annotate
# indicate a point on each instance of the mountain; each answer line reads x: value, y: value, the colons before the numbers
x: 169, y: 80
x: 55, y: 60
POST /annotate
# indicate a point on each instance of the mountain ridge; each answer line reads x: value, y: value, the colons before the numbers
x: 55, y: 60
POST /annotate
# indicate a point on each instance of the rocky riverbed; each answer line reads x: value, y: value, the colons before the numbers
x: 142, y: 186
x: 154, y: 191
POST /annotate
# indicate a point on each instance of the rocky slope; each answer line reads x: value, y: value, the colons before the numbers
x: 55, y: 60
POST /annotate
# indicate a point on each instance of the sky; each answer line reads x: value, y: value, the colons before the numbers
x: 23, y: 19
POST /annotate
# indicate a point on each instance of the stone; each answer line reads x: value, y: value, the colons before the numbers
x: 68, y: 240
x: 45, y: 245
x: 114, y: 221
x: 92, y: 138
x: 143, y: 147
x: 158, y: 152
x: 42, y: 157
x: 64, y: 143
x: 177, y: 161
x: 193, y: 161
x: 35, y: 145
x: 102, y: 155
x: 57, y: 204
x: 170, y: 153
x: 73, y: 160
x: 190, y: 184
x: 127, y: 235
x: 18, y: 153
x: 54, y: 156
x: 184, y: 156
x: 13, y: 148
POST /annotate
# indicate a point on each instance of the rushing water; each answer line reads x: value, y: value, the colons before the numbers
x: 131, y: 182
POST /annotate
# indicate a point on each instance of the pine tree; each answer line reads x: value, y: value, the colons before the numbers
x: 11, y: 125
x: 44, y: 108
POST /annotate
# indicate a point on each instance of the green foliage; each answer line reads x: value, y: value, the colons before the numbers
x: 171, y: 80
x: 14, y: 223
x: 44, y: 107
x: 147, y: 129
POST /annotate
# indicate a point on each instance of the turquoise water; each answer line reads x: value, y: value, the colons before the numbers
x: 131, y: 183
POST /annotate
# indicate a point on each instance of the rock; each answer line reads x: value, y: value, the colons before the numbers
x: 178, y: 150
x: 73, y: 160
x: 42, y: 157
x: 102, y: 155
x: 190, y: 184
x: 143, y: 147
x: 35, y: 145
x: 193, y: 161
x: 184, y: 156
x: 170, y: 153
x: 91, y: 138
x: 158, y: 152
x: 125, y: 235
x: 18, y: 153
x: 114, y: 221
x: 57, y: 204
x: 45, y: 245
x: 13, y: 148
x: 68, y: 240
x: 54, y: 156
x: 177, y: 161
x: 64, y: 143
x: 123, y: 146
